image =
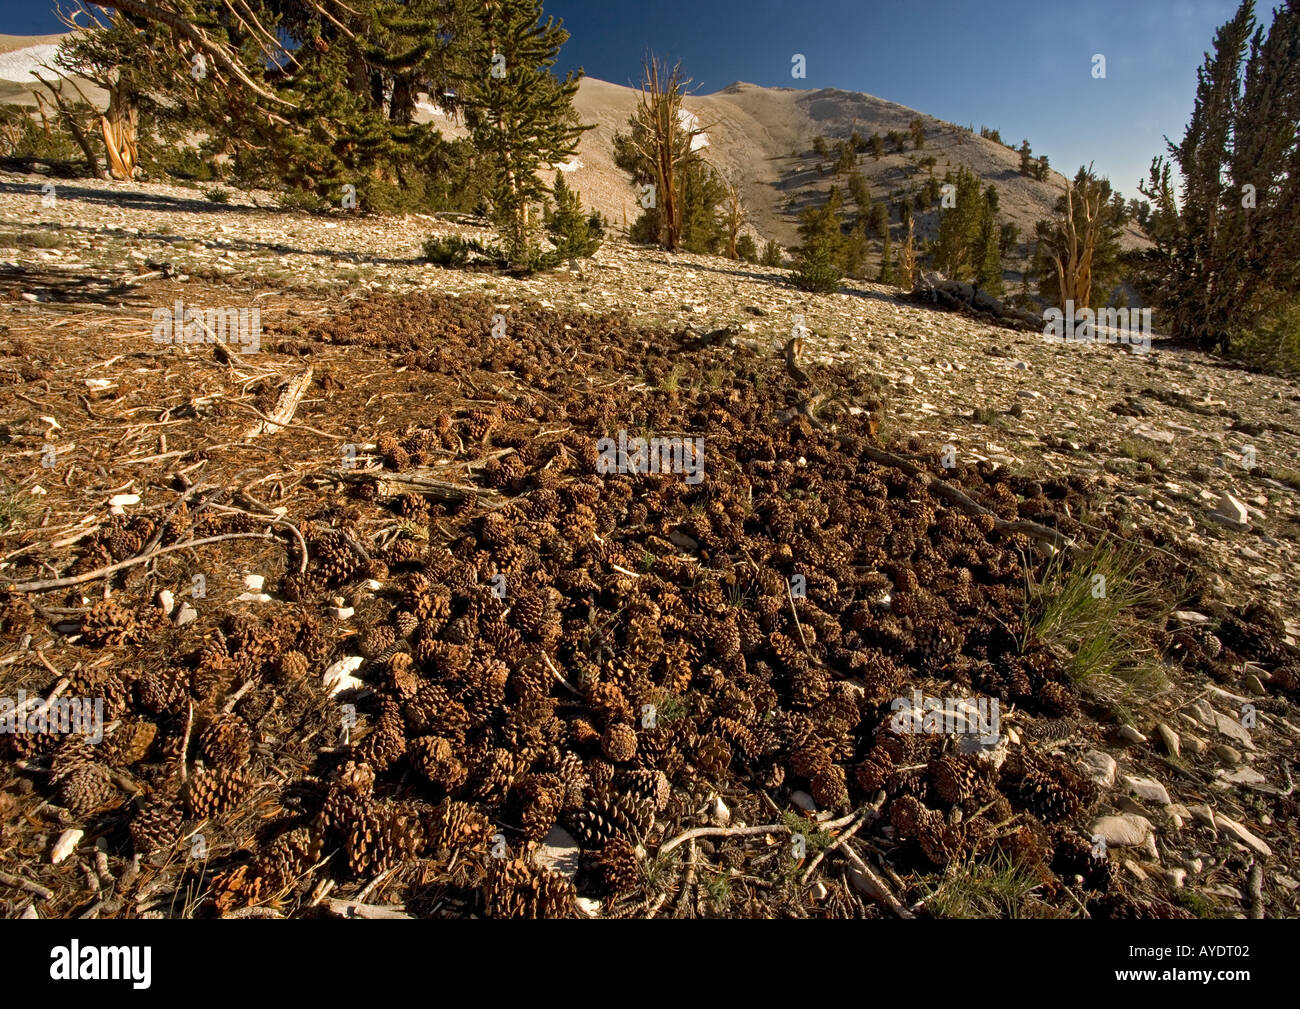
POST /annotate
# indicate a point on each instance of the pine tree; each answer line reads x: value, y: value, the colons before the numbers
x: 1026, y: 163
x: 704, y: 229
x: 660, y: 154
x: 907, y: 265
x: 772, y: 255
x: 1226, y: 257
x: 574, y: 234
x: 880, y: 220
x: 877, y: 146
x: 886, y: 267
x: 986, y: 256
x: 855, y: 250
x: 959, y: 229
x: 1078, y: 253
x: 861, y: 194
x: 846, y: 160
x: 917, y: 128
x: 339, y: 114
x: 519, y: 114
x: 818, y: 266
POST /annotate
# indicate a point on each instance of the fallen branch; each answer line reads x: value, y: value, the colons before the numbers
x: 26, y: 884
x: 873, y: 885
x: 763, y: 828
x: 391, y: 484
x: 90, y: 576
x: 871, y: 811
x: 970, y: 506
x: 285, y: 407
x: 356, y: 909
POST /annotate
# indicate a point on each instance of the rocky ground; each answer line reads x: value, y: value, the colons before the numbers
x: 1191, y: 461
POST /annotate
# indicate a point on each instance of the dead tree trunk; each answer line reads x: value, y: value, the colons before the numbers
x: 118, y: 124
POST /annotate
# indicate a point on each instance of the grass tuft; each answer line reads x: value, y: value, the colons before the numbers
x: 1093, y: 612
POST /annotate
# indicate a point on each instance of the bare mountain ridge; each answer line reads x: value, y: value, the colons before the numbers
x: 764, y: 136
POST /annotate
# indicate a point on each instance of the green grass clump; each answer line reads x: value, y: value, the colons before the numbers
x: 1135, y: 448
x: 990, y: 889
x: 1093, y: 611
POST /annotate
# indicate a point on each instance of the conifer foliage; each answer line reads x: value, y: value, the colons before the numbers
x: 1227, y: 250
x: 520, y: 115
x: 818, y: 266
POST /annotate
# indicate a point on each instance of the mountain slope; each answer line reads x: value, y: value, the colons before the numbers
x: 764, y: 137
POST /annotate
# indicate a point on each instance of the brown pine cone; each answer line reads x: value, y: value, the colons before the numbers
x: 216, y: 791
x: 157, y: 824
x: 618, y: 865
x: 226, y: 742
x: 434, y: 758
x: 619, y: 742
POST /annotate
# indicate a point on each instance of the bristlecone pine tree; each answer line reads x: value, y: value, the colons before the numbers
x: 818, y: 266
x: 574, y: 234
x: 303, y: 96
x: 1079, y: 252
x: 959, y: 227
x: 520, y: 115
x: 678, y: 192
x: 1227, y: 251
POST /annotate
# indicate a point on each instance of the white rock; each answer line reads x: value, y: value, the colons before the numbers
x: 341, y: 612
x: 374, y: 585
x: 819, y: 891
x: 1123, y: 831
x: 1169, y: 738
x: 1244, y: 776
x: 252, y: 597
x: 1230, y: 512
x: 118, y: 500
x: 718, y: 811
x: 338, y: 678
x: 30, y: 912
x: 254, y: 583
x: 1128, y: 734
x: 1146, y: 788
x: 1176, y: 877
x: 167, y: 602
x: 187, y: 614
x: 1242, y: 834
x: 804, y: 801
x: 65, y: 845
x: 1100, y: 767
x: 589, y: 906
x: 558, y: 852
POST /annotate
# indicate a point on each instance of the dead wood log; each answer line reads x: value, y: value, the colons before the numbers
x: 285, y: 407
x: 390, y: 484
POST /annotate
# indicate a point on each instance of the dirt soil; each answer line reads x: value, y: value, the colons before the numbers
x: 575, y: 692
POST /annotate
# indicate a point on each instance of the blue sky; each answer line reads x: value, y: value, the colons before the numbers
x: 1020, y: 66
